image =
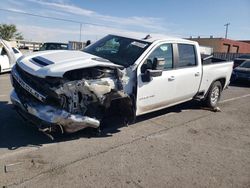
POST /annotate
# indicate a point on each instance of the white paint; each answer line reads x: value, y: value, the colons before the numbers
x: 61, y: 62
x: 176, y: 86
x: 235, y: 98
x: 7, y: 59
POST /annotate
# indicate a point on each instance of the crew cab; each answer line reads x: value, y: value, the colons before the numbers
x: 8, y: 56
x: 72, y: 90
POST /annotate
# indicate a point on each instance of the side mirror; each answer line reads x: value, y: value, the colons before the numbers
x: 148, y: 64
x: 158, y: 63
x: 152, y: 69
x: 146, y: 77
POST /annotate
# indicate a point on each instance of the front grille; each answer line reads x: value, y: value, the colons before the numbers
x: 38, y: 84
x: 33, y: 81
x: 24, y: 95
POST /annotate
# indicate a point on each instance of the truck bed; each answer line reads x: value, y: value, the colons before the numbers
x: 211, y: 71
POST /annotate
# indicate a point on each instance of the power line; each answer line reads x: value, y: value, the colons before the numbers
x: 51, y: 17
x: 56, y: 18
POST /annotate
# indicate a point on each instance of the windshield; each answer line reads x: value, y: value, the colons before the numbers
x: 246, y: 64
x: 119, y: 50
x: 53, y: 46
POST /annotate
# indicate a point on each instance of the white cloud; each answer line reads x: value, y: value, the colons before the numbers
x: 60, y: 5
x: 42, y: 34
x: 144, y: 22
x: 51, y: 31
x: 89, y: 32
x: 16, y: 10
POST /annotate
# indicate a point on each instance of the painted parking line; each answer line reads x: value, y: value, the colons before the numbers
x: 5, y: 78
x: 235, y: 98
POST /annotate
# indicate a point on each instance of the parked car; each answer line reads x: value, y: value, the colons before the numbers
x: 8, y: 56
x: 17, y: 52
x: 131, y: 76
x: 242, y: 72
x: 240, y: 59
x: 53, y: 46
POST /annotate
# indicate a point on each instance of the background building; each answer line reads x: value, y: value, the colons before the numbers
x: 222, y: 45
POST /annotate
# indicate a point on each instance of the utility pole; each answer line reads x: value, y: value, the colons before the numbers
x: 80, y: 32
x: 226, y: 25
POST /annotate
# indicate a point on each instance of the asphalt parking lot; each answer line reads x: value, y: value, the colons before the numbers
x: 183, y: 146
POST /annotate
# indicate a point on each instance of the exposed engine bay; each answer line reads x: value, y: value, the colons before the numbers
x: 78, y: 100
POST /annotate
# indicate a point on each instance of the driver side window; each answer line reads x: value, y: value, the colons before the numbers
x: 164, y: 51
x: 3, y: 52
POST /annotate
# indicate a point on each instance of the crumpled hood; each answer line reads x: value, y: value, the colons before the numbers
x: 56, y: 63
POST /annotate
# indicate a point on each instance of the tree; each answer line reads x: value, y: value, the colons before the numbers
x: 8, y: 32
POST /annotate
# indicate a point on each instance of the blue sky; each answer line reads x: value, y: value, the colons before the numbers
x: 176, y: 18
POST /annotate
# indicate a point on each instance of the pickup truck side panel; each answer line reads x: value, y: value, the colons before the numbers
x: 178, y: 85
x: 213, y: 72
x: 174, y: 86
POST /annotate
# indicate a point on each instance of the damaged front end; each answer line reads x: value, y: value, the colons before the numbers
x: 80, y: 99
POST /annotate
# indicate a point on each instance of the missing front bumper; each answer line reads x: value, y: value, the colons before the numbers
x: 50, y: 115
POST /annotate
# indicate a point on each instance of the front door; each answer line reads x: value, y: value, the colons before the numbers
x: 159, y: 91
x: 4, y: 59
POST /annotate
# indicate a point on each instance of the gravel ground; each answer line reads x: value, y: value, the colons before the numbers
x: 182, y: 146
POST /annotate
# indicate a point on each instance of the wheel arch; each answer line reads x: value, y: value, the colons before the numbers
x: 221, y: 80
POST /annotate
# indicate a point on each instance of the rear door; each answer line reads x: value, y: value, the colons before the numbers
x: 188, y: 72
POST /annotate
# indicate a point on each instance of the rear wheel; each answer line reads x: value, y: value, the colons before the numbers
x: 214, y: 94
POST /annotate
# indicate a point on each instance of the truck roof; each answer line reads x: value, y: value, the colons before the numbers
x: 155, y: 38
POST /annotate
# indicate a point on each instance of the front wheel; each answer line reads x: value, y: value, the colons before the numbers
x: 214, y: 94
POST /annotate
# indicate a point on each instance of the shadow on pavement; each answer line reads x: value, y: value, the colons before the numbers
x: 4, y: 73
x: 16, y: 133
x: 13, y: 131
x: 194, y: 105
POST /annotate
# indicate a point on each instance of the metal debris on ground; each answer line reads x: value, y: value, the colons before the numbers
x: 216, y: 109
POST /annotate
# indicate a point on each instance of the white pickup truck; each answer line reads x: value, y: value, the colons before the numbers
x: 8, y: 56
x: 72, y: 90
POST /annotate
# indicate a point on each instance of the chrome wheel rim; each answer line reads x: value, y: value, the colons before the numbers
x: 215, y: 95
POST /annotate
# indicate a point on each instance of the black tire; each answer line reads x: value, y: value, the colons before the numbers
x: 213, y: 95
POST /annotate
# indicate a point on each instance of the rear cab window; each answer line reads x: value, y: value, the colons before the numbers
x: 187, y: 55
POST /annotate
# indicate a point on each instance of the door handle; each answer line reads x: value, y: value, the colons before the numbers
x: 171, y: 78
x: 197, y: 74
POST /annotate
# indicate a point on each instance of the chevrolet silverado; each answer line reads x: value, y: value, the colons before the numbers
x: 71, y: 90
